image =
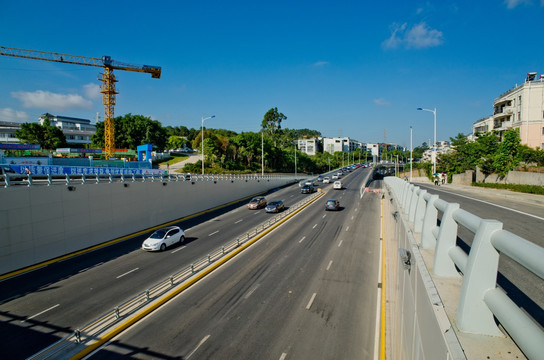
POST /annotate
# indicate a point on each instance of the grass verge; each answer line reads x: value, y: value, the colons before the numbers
x: 528, y: 189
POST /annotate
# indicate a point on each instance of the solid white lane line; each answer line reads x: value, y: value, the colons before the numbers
x: 250, y: 292
x: 301, y: 240
x: 199, y: 345
x: 314, y: 226
x: 213, y: 233
x: 239, y: 221
x: 499, y: 206
x: 329, y: 266
x: 311, y: 302
x: 38, y: 314
x: 128, y: 272
x: 340, y: 243
x: 178, y: 249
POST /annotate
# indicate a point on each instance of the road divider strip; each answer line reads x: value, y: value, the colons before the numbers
x: 95, y: 334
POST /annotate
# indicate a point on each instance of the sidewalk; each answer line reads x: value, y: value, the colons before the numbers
x: 507, y: 194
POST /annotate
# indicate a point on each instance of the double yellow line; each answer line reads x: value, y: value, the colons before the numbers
x: 137, y: 317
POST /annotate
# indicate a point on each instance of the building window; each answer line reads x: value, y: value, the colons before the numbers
x: 543, y: 131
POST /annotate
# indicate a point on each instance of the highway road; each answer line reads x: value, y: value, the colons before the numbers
x: 40, y: 307
x: 520, y: 214
x: 307, y: 290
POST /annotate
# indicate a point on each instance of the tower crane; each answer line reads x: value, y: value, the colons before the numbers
x: 108, y: 80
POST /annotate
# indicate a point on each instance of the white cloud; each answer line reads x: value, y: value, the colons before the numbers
x: 8, y: 114
x: 510, y: 4
x: 50, y: 101
x: 418, y: 36
x: 381, y: 102
x: 92, y: 91
x: 320, y: 63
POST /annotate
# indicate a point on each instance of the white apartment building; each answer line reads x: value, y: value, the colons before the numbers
x: 7, y: 132
x: 309, y: 146
x: 442, y: 147
x: 520, y: 108
x: 77, y: 131
x: 332, y: 145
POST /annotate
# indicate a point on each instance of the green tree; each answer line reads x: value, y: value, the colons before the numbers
x: 132, y: 131
x: 271, y: 123
x: 45, y: 135
x: 506, y: 156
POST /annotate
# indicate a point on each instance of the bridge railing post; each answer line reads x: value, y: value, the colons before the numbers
x: 420, y: 211
x: 480, y: 275
x: 428, y: 241
x: 447, y: 236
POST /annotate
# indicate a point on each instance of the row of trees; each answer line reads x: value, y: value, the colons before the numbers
x: 492, y: 153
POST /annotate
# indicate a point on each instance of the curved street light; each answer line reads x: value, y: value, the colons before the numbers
x: 202, y: 131
x: 434, y: 145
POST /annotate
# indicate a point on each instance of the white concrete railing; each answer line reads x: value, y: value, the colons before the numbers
x: 480, y: 298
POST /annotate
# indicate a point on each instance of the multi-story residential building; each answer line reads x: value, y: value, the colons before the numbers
x: 77, y: 131
x: 309, y: 146
x: 7, y: 132
x: 332, y: 145
x: 442, y: 147
x: 520, y: 108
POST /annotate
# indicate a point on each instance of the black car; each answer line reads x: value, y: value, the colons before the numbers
x: 275, y: 206
x: 332, y: 204
x: 307, y: 189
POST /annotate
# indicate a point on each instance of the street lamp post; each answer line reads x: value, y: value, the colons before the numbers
x: 411, y: 154
x: 202, y: 131
x: 434, y: 145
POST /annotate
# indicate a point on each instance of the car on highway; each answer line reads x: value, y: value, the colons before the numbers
x: 307, y: 189
x: 334, y: 177
x: 320, y: 178
x: 275, y: 206
x: 332, y: 204
x: 257, y: 202
x: 337, y: 185
x: 326, y: 180
x: 164, y: 237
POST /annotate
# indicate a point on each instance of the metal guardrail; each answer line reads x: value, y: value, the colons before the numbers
x: 480, y: 298
x: 94, y: 329
x: 67, y: 179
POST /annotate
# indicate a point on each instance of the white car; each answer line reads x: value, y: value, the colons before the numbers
x: 326, y: 180
x: 337, y: 185
x: 164, y: 237
x: 335, y: 177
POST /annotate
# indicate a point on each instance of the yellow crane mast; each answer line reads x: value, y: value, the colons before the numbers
x: 108, y: 80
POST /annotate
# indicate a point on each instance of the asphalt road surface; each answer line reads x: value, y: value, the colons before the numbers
x: 38, y: 308
x: 306, y: 291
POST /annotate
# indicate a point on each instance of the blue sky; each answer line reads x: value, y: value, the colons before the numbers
x: 350, y: 68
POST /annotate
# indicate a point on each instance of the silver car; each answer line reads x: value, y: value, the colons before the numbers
x: 164, y: 237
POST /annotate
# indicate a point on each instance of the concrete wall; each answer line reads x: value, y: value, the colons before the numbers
x: 513, y: 177
x: 38, y: 223
x: 418, y: 325
x: 465, y: 178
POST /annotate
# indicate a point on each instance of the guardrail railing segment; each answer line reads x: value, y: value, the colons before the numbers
x: 480, y: 298
x: 8, y: 180
x: 94, y: 329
